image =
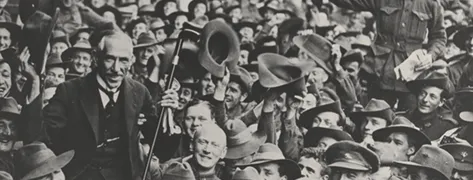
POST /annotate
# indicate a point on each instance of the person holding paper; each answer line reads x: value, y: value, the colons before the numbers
x: 402, y: 27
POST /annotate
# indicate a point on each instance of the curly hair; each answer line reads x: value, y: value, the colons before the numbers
x: 318, y: 155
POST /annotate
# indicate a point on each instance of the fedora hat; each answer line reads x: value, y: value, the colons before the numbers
x: 35, y: 35
x: 276, y: 70
x: 172, y: 17
x: 353, y: 56
x: 462, y: 36
x: 308, y: 115
x: 267, y: 6
x: 353, y: 156
x: 64, y: 39
x: 313, y: 136
x: 433, y: 159
x: 452, y: 30
x: 242, y: 77
x: 79, y: 46
x: 179, y: 171
x: 9, y: 108
x: 291, y: 27
x: 54, y: 60
x: 188, y: 61
x: 133, y: 23
x: 36, y: 160
x: 11, y: 27
x: 219, y: 48
x: 194, y: 3
x: 245, y: 23
x: 249, y: 173
x: 463, y: 155
x: 145, y: 40
x: 159, y: 8
x: 147, y: 9
x: 120, y: 13
x: 405, y: 126
x: 431, y: 78
x: 374, y: 108
x: 318, y: 48
x: 241, y: 142
x: 270, y: 153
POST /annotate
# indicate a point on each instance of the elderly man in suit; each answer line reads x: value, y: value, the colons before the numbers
x: 97, y: 116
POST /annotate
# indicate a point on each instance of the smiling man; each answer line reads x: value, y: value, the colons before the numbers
x: 237, y: 91
x: 432, y: 89
x: 9, y: 116
x: 80, y: 56
x: 376, y: 115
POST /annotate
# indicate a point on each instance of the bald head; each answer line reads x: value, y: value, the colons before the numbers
x: 210, y: 145
x: 116, y: 41
x: 212, y: 130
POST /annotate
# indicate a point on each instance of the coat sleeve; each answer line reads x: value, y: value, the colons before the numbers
x: 345, y: 90
x: 437, y: 36
x: 358, y: 5
x: 55, y: 115
x: 291, y: 140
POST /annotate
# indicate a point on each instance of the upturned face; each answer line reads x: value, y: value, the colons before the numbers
x: 8, y: 134
x: 207, y: 86
x: 5, y: 79
x: 429, y: 99
x: 5, y: 39
x: 234, y: 95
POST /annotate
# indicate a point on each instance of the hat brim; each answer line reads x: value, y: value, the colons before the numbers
x: 420, y: 137
x: 246, y: 149
x: 415, y: 165
x: 347, y: 165
x: 292, y: 169
x: 416, y: 85
x: 66, y: 55
x: 144, y: 45
x: 461, y: 36
x: 386, y: 114
x: 463, y: 166
x: 314, y: 135
x: 51, y: 165
x: 308, y: 115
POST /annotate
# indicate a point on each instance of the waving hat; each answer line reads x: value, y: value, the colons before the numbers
x: 433, y: 159
x: 36, y: 160
x: 219, y: 48
x: 318, y: 48
x: 276, y: 70
x: 241, y: 141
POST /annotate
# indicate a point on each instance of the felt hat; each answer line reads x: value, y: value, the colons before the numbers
x: 54, y: 60
x: 63, y: 39
x: 462, y: 36
x: 249, y: 173
x: 374, y: 108
x: 172, y: 17
x: 159, y: 8
x: 133, y: 23
x: 353, y: 156
x: 88, y: 30
x: 241, y: 142
x: 433, y: 159
x: 242, y: 77
x: 179, y: 171
x: 145, y: 40
x: 270, y: 153
x: 463, y: 155
x: 118, y: 13
x: 188, y: 61
x: 307, y: 117
x: 36, y: 33
x: 313, y: 136
x: 431, y: 78
x: 194, y: 3
x: 405, y: 126
x: 291, y: 26
x: 276, y: 70
x: 352, y: 56
x: 147, y: 9
x: 79, y: 46
x: 452, y: 30
x: 9, y: 108
x: 219, y: 48
x: 318, y: 48
x: 36, y: 160
x: 155, y: 26
x: 245, y: 23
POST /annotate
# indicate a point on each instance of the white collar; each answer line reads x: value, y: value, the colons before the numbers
x: 104, y: 85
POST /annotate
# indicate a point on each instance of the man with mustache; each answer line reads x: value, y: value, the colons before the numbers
x: 80, y: 56
x: 97, y: 115
x: 432, y: 89
x: 9, y: 116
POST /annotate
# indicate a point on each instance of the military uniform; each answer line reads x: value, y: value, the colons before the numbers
x: 457, y: 66
x: 434, y: 125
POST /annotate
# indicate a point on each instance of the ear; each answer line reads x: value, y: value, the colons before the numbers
x: 442, y: 102
x: 325, y: 78
x: 243, y: 97
x: 411, y: 150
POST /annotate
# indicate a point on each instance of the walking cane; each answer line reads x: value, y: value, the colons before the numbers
x: 188, y: 32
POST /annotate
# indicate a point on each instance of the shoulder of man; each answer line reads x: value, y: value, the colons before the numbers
x: 448, y: 117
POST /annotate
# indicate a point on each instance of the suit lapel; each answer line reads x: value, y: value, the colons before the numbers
x: 90, y: 102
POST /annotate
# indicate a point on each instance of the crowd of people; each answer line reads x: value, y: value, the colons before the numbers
x: 236, y: 90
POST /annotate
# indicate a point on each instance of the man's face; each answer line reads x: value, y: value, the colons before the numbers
x: 185, y: 96
x: 371, y: 124
x: 55, y: 76
x: 328, y: 120
x: 5, y: 79
x: 115, y: 60
x: 235, y: 14
x: 83, y: 36
x: 200, y: 10
x: 462, y: 175
x: 429, y: 99
x: 268, y: 14
x: 234, y: 95
x: 3, y: 3
x: 59, y: 47
x: 109, y: 16
x: 400, y: 144
x: 417, y: 174
x: 243, y: 57
x: 208, y: 87
x: 318, y: 76
x: 179, y: 22
x: 270, y: 171
x: 309, y: 102
x: 209, y: 149
x: 469, y: 45
x: 352, y: 68
x: 161, y: 35
x: 452, y: 50
x: 326, y: 142
x: 7, y: 134
x: 138, y: 29
x: 169, y: 8
x: 145, y: 53
x: 81, y: 61
x: 5, y: 39
x: 310, y: 168
x: 195, y: 117
x: 247, y: 33
x: 346, y: 174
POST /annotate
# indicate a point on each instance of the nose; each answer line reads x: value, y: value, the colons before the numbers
x: 425, y: 99
x: 368, y: 126
x: 7, y: 131
x: 304, y: 173
x: 196, y: 122
x: 116, y: 66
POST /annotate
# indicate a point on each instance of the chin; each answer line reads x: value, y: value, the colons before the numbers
x: 6, y: 147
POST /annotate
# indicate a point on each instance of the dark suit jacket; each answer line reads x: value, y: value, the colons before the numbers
x: 72, y: 116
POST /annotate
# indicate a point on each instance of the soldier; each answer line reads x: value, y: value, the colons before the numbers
x: 463, y: 155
